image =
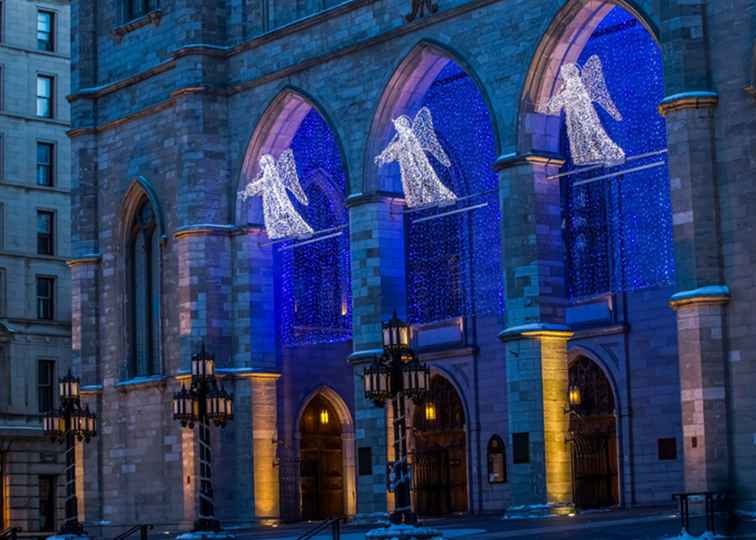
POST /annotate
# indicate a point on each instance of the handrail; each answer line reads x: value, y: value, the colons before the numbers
x: 710, y: 499
x: 334, y: 523
x: 11, y: 533
x: 142, y: 532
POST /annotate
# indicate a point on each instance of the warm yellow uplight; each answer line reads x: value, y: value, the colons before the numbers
x: 324, y: 416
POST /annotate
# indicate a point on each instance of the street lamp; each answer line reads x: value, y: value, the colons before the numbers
x: 203, y: 402
x: 397, y: 375
x: 69, y: 423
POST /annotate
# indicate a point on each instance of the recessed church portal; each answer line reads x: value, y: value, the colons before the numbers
x: 440, y: 452
x: 593, y: 437
x: 321, y: 461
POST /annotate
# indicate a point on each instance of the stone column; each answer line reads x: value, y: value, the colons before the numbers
x: 699, y: 302
x: 536, y: 336
x: 376, y: 230
x: 264, y: 446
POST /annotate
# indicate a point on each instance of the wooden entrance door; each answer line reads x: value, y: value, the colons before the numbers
x: 321, y: 468
x: 593, y: 437
x: 440, y: 452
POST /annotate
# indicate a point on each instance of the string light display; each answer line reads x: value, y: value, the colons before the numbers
x: 313, y: 285
x: 618, y: 229
x: 413, y: 139
x: 275, y: 179
x: 579, y: 89
x: 453, y: 263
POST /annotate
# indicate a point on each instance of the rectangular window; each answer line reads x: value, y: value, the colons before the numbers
x: 45, y: 31
x: 45, y: 298
x: 45, y: 233
x: 44, y: 96
x: 520, y: 448
x: 2, y: 225
x: 45, y: 385
x: 365, y: 460
x: 45, y: 164
x: 667, y: 448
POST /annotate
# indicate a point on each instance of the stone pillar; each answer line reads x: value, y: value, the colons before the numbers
x: 376, y: 230
x: 536, y: 336
x: 264, y: 447
x: 699, y: 302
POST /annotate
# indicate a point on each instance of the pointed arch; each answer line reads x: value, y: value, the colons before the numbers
x: 140, y: 187
x: 334, y: 400
x: 562, y: 43
x: 142, y: 236
x: 273, y: 134
x: 404, y: 90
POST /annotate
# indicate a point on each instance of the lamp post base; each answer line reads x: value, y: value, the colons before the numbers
x: 404, y: 532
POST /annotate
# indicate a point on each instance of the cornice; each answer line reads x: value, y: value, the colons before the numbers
x: 688, y: 100
x: 92, y: 259
x: 536, y: 330
x: 711, y: 294
x: 205, y: 229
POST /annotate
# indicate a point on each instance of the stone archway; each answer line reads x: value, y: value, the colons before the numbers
x: 325, y: 433
x: 593, y: 437
x: 439, y: 451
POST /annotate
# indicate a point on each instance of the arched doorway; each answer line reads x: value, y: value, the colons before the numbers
x: 593, y: 437
x: 321, y: 469
x: 440, y: 452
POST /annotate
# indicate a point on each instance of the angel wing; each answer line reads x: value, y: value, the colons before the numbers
x: 422, y: 126
x: 287, y: 170
x: 592, y: 76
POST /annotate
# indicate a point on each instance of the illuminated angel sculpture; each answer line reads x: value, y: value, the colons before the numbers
x: 579, y: 89
x: 275, y: 178
x: 412, y: 140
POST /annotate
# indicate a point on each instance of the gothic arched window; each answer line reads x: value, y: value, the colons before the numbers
x: 144, y: 292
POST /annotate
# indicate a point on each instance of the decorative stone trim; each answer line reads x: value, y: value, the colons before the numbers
x: 512, y: 160
x: 536, y: 330
x: 91, y: 390
x: 234, y: 373
x: 249, y: 229
x: 688, y: 100
x: 93, y: 258
x: 96, y: 92
x: 153, y: 17
x: 206, y: 229
x: 141, y: 382
x: 711, y: 294
x: 597, y: 331
x: 363, y: 357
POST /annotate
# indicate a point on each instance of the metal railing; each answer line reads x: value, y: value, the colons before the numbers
x: 11, y: 533
x: 141, y: 529
x: 334, y: 524
x: 714, y: 502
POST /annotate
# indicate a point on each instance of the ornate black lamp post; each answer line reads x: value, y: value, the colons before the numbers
x: 68, y: 423
x: 397, y: 375
x: 205, y: 401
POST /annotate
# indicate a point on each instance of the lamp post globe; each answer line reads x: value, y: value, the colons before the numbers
x: 397, y: 375
x: 205, y: 401
x: 69, y: 423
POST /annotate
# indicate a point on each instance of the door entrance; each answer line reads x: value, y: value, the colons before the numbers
x: 593, y: 434
x: 440, y: 452
x: 321, y: 469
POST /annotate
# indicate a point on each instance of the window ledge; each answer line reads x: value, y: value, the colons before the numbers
x: 140, y: 382
x: 151, y: 17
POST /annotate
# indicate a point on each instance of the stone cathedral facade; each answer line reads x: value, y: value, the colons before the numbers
x: 595, y: 237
